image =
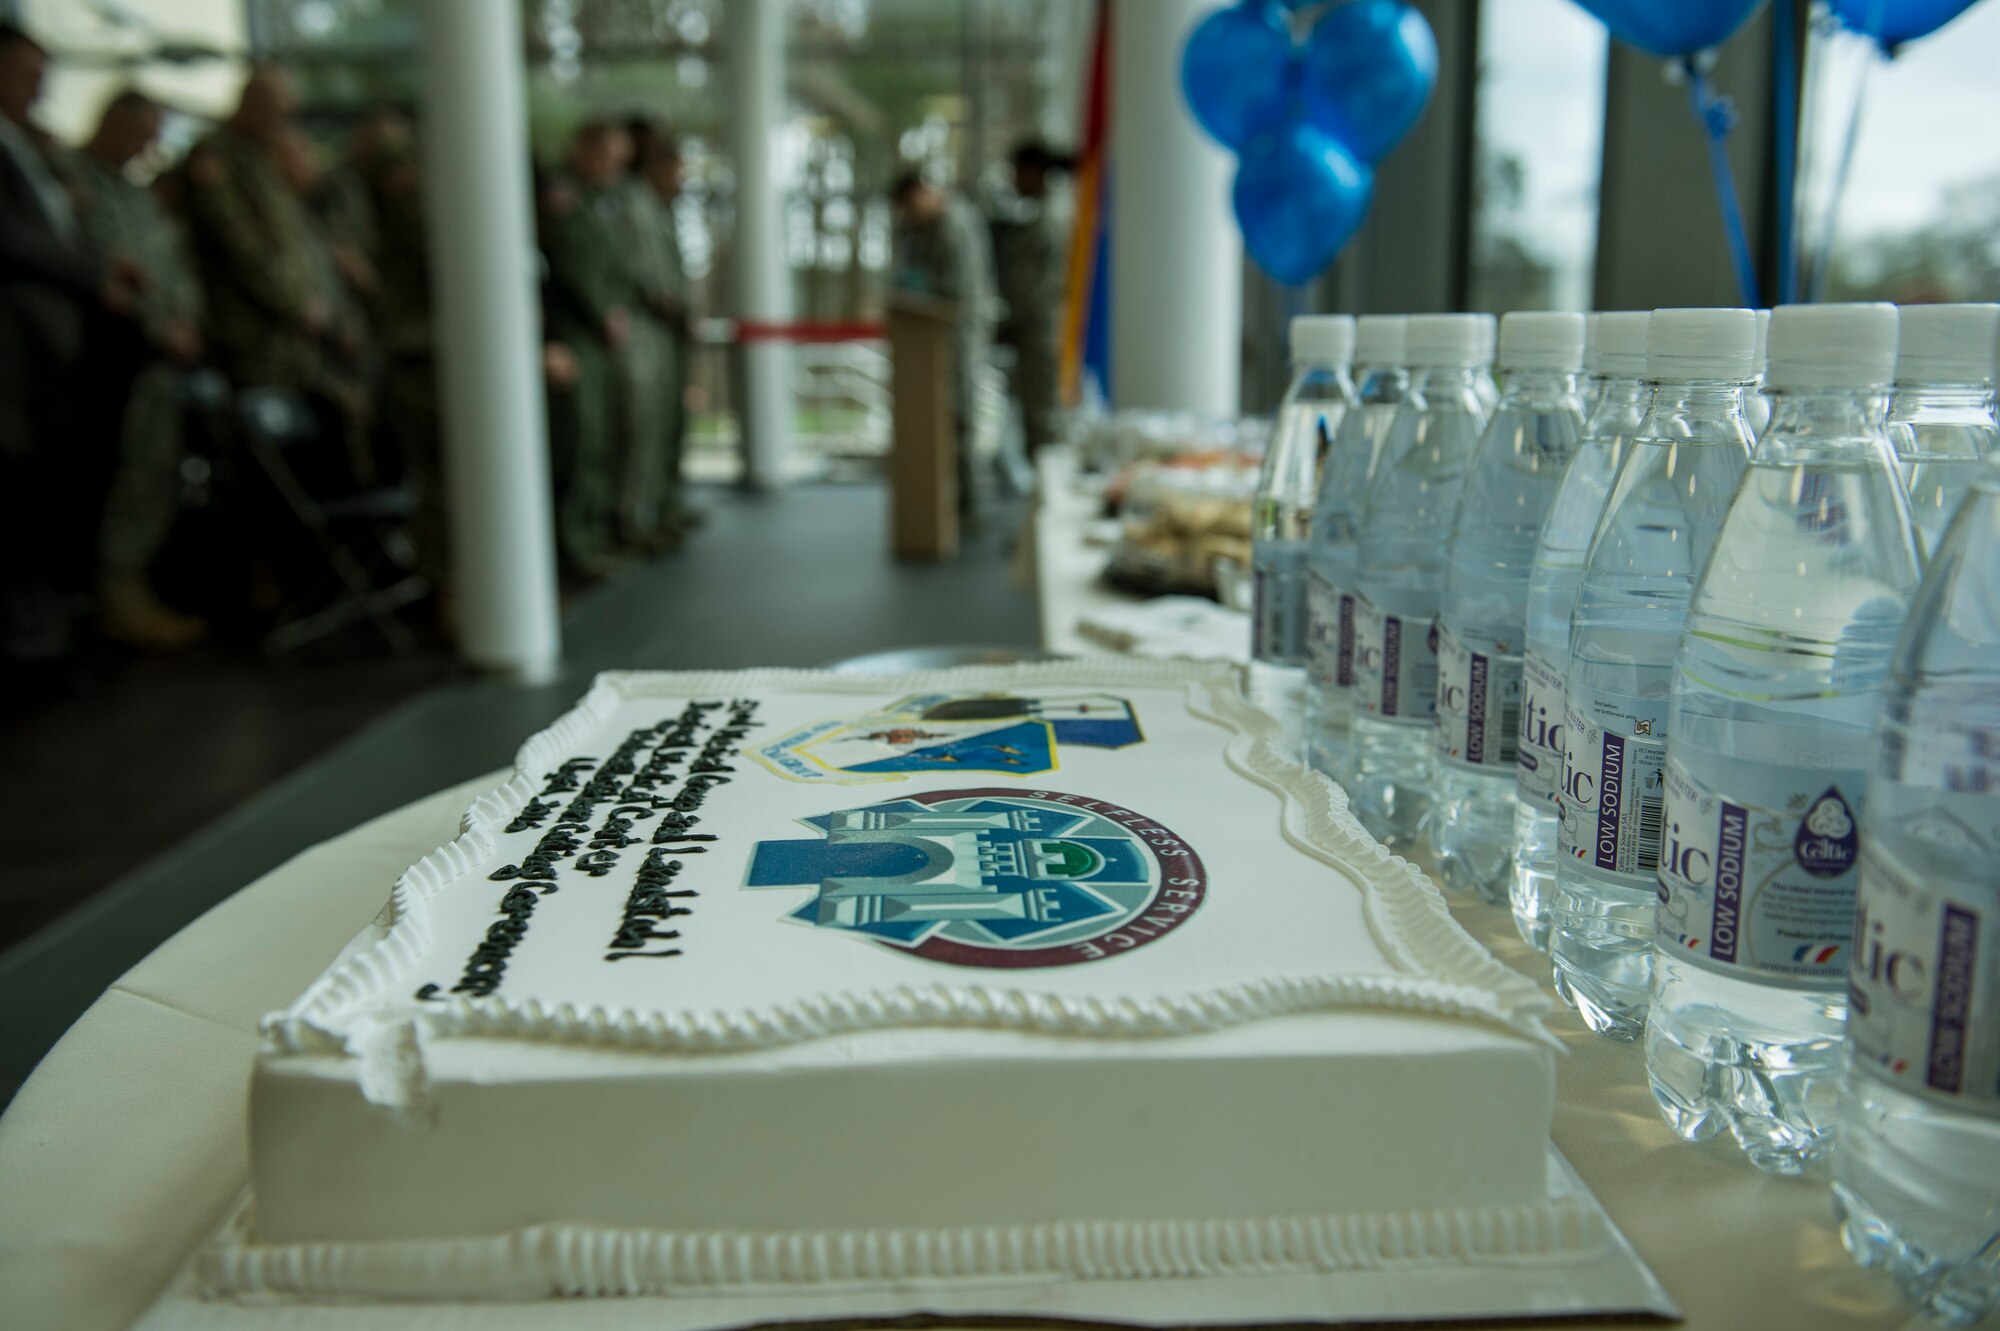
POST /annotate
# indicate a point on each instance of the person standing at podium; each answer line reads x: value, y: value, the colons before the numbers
x: 943, y: 249
x: 1031, y: 246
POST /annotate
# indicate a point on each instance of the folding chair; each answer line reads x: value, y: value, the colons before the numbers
x: 360, y: 534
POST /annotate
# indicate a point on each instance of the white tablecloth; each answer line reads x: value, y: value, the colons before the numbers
x: 129, y: 1143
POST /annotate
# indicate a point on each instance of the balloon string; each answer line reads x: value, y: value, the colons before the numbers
x: 1292, y: 306
x: 1718, y: 116
x: 1785, y: 58
x: 1822, y: 271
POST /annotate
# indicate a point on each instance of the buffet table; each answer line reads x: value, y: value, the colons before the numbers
x: 128, y: 1146
x: 1734, y: 1247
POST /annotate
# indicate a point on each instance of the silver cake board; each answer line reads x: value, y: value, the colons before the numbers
x: 1610, y: 1282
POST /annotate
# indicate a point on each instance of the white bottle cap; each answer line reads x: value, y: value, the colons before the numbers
x: 1378, y: 339
x: 1448, y: 341
x: 1947, y: 344
x: 1832, y: 346
x: 1702, y: 344
x: 1763, y: 341
x: 1541, y: 340
x: 1619, y: 351
x: 1323, y: 339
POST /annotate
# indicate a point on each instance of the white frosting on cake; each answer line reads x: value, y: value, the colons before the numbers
x: 1288, y: 1057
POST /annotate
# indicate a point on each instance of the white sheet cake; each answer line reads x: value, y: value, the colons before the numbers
x: 783, y: 979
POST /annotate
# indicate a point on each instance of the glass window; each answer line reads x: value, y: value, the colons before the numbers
x: 1920, y: 213
x: 874, y: 87
x: 172, y: 50
x: 1538, y: 147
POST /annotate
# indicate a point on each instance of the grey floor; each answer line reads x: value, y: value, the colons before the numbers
x: 799, y: 578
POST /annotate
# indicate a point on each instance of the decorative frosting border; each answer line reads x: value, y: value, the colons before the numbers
x: 1405, y: 910
x: 567, y: 1261
x: 1444, y: 969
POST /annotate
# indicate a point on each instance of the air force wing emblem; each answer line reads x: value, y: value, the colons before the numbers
x: 944, y: 732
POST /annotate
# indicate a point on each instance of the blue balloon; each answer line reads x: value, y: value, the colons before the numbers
x: 1672, y: 27
x: 1299, y: 196
x: 1370, y: 66
x: 1893, y: 22
x: 1237, y: 73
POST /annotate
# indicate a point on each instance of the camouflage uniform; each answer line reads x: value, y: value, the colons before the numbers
x: 347, y: 205
x: 1030, y: 255
x: 652, y: 365
x: 344, y: 373
x: 403, y: 335
x: 121, y: 218
x: 253, y: 249
x: 589, y: 278
x: 952, y: 259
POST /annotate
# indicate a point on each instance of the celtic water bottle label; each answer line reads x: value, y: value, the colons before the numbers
x: 1278, y: 616
x: 1478, y: 699
x: 1614, y: 748
x: 1322, y: 632
x: 1343, y: 649
x: 1330, y: 639
x: 1758, y: 881
x: 1395, y: 664
x: 1538, y: 755
x: 1924, y: 986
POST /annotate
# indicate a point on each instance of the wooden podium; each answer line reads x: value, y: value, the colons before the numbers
x: 923, y: 449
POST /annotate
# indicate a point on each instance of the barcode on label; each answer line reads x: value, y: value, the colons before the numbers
x: 1649, y: 833
x: 1510, y: 725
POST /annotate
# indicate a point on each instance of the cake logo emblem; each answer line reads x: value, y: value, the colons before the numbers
x: 995, y: 733
x: 990, y: 877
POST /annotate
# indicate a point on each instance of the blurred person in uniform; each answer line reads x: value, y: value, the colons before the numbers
x: 404, y: 338
x: 121, y: 217
x: 68, y: 345
x: 340, y: 377
x: 591, y: 298
x: 653, y: 363
x: 1031, y: 257
x: 942, y: 249
x: 252, y: 244
x: 348, y: 198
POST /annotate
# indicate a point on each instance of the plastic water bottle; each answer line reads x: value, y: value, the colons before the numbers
x: 1661, y: 520
x: 1756, y: 406
x: 1616, y: 358
x: 1483, y: 385
x: 1484, y: 612
x: 1591, y: 385
x: 1399, y: 572
x: 1380, y: 384
x: 1941, y: 419
x: 1780, y: 671
x: 1281, y: 513
x: 1917, y: 1177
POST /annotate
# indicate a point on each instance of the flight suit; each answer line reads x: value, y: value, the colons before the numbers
x: 652, y: 367
x: 589, y: 279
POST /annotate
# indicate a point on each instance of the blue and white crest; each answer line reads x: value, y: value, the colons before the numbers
x: 989, y: 877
